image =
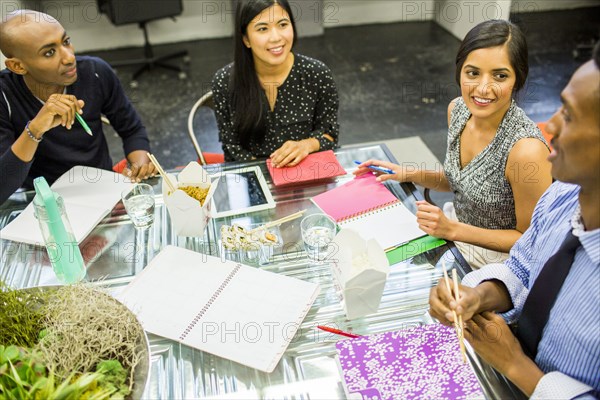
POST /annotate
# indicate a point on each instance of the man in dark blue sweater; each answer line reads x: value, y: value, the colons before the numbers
x: 42, y: 88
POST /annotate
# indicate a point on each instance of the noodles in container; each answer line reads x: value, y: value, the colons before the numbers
x: 190, y: 204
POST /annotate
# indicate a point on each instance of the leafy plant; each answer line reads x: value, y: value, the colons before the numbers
x: 24, y: 377
x: 73, y: 342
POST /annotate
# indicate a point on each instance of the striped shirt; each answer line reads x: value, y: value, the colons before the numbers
x: 569, y: 351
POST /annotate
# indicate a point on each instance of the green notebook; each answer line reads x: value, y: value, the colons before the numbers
x: 412, y: 248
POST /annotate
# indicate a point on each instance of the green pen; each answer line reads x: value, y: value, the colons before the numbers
x: 82, y: 122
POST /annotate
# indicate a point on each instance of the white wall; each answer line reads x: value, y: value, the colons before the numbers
x: 519, y: 6
x: 91, y: 30
x: 203, y: 19
x: 458, y: 17
x: 358, y: 12
x: 5, y: 8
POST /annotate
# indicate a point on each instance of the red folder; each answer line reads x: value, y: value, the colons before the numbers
x: 316, y: 166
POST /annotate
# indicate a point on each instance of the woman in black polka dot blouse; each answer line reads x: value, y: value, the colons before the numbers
x: 271, y: 102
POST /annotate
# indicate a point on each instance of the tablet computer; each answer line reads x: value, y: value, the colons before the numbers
x: 241, y: 191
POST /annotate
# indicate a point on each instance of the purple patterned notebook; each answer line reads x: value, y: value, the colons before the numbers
x: 423, y: 363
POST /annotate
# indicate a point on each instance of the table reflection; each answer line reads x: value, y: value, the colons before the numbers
x: 115, y: 252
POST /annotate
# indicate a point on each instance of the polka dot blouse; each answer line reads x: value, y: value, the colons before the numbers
x: 306, y: 107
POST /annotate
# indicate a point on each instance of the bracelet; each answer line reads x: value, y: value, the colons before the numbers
x: 31, y: 135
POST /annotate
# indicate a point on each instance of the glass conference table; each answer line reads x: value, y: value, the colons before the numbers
x: 116, y: 252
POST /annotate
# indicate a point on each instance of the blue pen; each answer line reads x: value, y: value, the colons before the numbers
x: 376, y: 168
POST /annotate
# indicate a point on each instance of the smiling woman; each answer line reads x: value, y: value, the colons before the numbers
x: 496, y: 156
x: 271, y: 102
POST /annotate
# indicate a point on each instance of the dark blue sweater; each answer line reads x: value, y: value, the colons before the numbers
x: 100, y: 89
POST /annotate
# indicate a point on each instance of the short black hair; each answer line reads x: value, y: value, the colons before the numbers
x: 492, y: 33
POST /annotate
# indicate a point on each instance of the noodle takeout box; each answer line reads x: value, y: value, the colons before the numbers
x: 188, y: 217
x: 360, y: 272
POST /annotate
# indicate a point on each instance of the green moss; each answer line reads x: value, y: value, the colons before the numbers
x: 21, y: 315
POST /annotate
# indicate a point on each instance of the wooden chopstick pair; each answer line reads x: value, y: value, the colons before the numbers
x: 458, y: 321
x: 280, y: 221
x: 162, y: 172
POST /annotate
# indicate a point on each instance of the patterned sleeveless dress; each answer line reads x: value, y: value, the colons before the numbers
x: 482, y: 194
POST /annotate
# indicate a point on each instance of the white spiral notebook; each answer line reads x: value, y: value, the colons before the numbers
x: 225, y: 308
x: 89, y: 194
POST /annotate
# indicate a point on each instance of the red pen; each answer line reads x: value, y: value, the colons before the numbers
x: 337, y: 331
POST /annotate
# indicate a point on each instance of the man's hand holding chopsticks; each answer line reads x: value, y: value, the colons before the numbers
x: 487, y: 296
x: 140, y: 166
x: 442, y: 303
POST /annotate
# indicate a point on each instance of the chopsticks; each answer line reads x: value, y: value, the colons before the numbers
x: 280, y: 221
x: 458, y: 322
x: 162, y: 172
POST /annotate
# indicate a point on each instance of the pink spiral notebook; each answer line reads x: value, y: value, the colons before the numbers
x: 369, y: 208
x: 418, y: 363
x: 362, y: 194
x: 316, y: 166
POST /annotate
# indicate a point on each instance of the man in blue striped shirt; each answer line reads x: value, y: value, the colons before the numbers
x: 567, y: 363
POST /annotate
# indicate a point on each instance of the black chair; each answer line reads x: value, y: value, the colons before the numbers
x: 121, y: 12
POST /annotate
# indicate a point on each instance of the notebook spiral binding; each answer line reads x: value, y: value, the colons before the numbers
x: 369, y: 211
x: 284, y: 346
x: 209, y: 303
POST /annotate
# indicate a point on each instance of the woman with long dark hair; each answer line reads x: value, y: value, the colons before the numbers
x: 496, y: 156
x: 271, y: 102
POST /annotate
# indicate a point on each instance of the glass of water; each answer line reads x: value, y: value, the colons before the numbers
x: 317, y: 231
x: 139, y: 204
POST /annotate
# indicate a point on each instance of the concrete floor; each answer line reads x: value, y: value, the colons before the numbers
x: 394, y: 80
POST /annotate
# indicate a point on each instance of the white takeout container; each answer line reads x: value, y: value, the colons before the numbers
x: 187, y: 216
x: 360, y: 272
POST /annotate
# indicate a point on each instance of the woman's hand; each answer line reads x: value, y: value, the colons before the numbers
x: 433, y: 221
x: 292, y: 152
x: 400, y: 173
x: 442, y: 303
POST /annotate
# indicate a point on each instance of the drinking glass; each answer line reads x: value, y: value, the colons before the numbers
x: 139, y: 204
x: 317, y: 231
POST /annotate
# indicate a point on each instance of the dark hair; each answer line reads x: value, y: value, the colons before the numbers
x: 247, y: 97
x: 492, y: 33
x: 596, y: 54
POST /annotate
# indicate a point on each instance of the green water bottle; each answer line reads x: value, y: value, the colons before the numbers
x: 62, y: 247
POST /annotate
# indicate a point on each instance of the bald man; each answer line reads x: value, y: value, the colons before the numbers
x: 41, y: 90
